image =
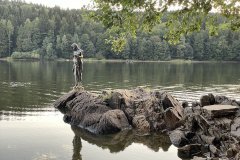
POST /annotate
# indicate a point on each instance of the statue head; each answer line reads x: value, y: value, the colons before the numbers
x: 75, y: 47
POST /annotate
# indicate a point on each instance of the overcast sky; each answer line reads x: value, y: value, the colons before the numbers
x: 71, y: 4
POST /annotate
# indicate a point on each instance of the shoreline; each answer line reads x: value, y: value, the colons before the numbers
x: 177, y: 61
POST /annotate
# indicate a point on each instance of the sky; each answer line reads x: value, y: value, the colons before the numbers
x: 71, y: 4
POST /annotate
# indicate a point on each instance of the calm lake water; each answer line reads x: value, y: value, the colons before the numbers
x: 31, y: 129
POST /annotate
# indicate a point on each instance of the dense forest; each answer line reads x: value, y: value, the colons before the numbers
x: 36, y: 31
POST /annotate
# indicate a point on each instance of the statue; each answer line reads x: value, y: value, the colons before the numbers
x: 77, y: 64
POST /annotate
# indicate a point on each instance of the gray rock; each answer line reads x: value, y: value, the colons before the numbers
x: 195, y: 104
x: 185, y: 104
x: 141, y: 124
x: 178, y: 138
x: 112, y: 121
x: 169, y: 101
x: 61, y: 102
x: 199, y: 158
x: 220, y: 110
x: 221, y: 99
x: 214, y: 150
x: 172, y: 118
x: 235, y: 127
x: 206, y: 100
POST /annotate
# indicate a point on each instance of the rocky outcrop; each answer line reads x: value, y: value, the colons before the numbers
x: 214, y: 126
x: 89, y: 111
x: 208, y: 128
x: 113, y: 111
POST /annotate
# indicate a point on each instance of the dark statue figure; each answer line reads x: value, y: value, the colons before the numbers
x: 77, y: 64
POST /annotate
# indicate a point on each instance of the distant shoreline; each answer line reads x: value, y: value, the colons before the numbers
x: 122, y: 60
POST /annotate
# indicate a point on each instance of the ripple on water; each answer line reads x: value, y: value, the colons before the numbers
x: 19, y: 84
x: 194, y: 93
x: 18, y: 113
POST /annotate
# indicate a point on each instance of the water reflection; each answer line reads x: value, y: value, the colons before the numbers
x: 118, y: 142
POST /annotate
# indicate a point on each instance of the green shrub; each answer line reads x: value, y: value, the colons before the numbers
x: 26, y: 55
x: 99, y: 56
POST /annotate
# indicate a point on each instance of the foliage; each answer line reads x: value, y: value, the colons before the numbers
x: 49, y: 32
x: 25, y: 55
x: 126, y: 17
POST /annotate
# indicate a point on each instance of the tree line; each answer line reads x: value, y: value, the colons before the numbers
x: 37, y: 31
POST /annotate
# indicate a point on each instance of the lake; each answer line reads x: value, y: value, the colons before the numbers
x: 31, y: 129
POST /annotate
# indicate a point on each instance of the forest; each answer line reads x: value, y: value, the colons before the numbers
x: 30, y: 31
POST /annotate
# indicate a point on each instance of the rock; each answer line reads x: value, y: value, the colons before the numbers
x: 172, y: 118
x: 141, y: 124
x: 209, y: 139
x: 67, y: 118
x: 235, y: 127
x: 221, y: 99
x: 178, y: 138
x: 211, y: 131
x: 184, y: 104
x: 168, y: 101
x: 189, y: 151
x: 199, y: 158
x: 206, y: 100
x: 189, y: 135
x: 231, y: 152
x: 213, y: 149
x: 223, y: 123
x: 61, y: 102
x: 112, y: 121
x: 220, y: 110
x: 195, y: 104
x: 238, y: 102
x: 144, y: 110
x: 188, y: 111
x: 211, y: 99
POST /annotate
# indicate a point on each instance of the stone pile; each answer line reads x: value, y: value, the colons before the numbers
x: 208, y: 128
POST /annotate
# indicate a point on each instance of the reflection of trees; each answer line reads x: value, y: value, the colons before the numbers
x: 118, y: 142
x: 165, y: 74
x: 36, y: 84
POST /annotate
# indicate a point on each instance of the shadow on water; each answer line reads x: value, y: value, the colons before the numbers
x: 118, y: 142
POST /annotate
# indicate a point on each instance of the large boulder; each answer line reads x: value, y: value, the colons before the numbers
x: 112, y: 121
x: 112, y: 111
